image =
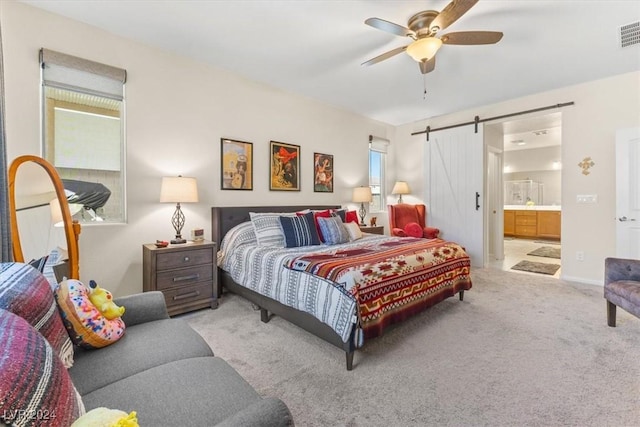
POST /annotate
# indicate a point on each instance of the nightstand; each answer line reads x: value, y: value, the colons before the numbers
x: 184, y: 273
x: 372, y: 230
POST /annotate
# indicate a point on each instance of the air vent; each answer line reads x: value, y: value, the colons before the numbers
x: 630, y: 34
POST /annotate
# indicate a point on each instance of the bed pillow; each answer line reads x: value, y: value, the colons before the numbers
x: 413, y: 229
x: 32, y: 378
x: 333, y: 230
x: 316, y: 216
x: 347, y: 216
x: 299, y: 230
x: 268, y: 229
x: 87, y: 326
x: 25, y: 292
x: 354, y: 230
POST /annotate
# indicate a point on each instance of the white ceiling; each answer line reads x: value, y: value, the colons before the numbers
x: 315, y: 47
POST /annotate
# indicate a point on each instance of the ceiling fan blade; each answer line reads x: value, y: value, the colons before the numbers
x: 385, y: 55
x: 389, y: 27
x: 427, y: 66
x: 451, y: 13
x: 472, y: 37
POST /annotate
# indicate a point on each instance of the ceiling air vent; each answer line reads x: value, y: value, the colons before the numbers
x: 630, y: 34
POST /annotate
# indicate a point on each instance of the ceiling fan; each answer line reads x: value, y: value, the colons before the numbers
x: 423, y: 28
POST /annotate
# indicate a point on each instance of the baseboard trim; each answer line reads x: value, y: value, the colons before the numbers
x: 581, y: 280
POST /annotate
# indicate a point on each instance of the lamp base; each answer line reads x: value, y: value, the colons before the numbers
x: 178, y: 241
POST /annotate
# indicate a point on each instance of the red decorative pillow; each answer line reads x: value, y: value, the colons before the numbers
x: 25, y: 292
x: 351, y: 216
x: 413, y: 229
x: 321, y: 214
x: 35, y: 389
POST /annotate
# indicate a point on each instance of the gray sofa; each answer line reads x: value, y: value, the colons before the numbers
x: 165, y: 371
x: 621, y: 287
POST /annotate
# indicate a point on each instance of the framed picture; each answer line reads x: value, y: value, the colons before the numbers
x: 236, y: 169
x: 322, y: 173
x: 285, y: 167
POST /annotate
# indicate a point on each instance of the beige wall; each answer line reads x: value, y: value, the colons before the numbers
x: 588, y: 130
x: 176, y: 112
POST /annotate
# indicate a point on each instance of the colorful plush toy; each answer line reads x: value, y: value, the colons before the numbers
x: 104, y: 417
x: 103, y: 300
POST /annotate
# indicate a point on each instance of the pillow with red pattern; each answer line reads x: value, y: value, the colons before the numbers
x: 413, y: 229
x: 35, y: 388
x: 27, y: 293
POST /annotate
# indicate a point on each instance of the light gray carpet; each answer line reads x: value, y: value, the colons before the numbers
x: 546, y: 251
x: 537, y: 267
x: 520, y: 350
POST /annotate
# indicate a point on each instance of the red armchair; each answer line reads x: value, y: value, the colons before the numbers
x: 402, y: 214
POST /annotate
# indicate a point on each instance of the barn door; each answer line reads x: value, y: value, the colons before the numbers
x: 454, y: 187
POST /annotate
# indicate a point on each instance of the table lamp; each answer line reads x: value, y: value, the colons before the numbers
x: 178, y: 189
x: 400, y: 188
x: 362, y: 195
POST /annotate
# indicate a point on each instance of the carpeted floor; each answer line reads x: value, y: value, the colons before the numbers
x: 520, y: 350
x: 536, y: 267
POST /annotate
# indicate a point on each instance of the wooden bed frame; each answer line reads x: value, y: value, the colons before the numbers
x: 224, y: 219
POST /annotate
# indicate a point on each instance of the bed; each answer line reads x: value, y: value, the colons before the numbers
x: 384, y: 280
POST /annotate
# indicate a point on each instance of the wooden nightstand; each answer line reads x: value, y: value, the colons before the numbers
x: 372, y: 230
x: 184, y: 273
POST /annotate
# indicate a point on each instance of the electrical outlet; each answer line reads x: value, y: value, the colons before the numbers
x: 580, y: 255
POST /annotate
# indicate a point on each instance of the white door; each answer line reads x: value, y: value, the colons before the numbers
x: 454, y: 187
x: 628, y: 193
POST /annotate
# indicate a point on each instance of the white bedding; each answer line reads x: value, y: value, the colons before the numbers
x: 262, y: 269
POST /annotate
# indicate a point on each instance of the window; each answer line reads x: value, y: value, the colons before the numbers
x: 83, y: 133
x: 377, y: 167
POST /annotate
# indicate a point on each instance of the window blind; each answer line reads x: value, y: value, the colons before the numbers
x: 378, y: 144
x: 81, y: 75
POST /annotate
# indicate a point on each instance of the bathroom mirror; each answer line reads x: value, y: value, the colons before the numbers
x: 41, y: 222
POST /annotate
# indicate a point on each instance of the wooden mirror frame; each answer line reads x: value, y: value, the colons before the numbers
x: 71, y: 228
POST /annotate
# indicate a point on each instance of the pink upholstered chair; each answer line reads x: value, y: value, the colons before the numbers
x: 403, y: 214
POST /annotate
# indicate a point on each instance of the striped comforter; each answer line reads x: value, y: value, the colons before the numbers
x: 411, y: 275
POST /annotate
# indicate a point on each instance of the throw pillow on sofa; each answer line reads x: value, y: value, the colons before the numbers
x: 87, y: 326
x: 25, y: 292
x: 35, y: 388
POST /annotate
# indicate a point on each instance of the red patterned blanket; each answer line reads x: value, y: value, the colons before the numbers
x: 393, y: 279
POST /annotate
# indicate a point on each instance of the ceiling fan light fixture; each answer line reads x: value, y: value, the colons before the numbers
x: 424, y: 49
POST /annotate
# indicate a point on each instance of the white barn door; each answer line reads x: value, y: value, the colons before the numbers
x: 454, y: 187
x: 628, y: 193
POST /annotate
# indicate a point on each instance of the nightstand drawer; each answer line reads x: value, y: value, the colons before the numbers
x: 184, y: 276
x: 181, y: 259
x: 187, y: 294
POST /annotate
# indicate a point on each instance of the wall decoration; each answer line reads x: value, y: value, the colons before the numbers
x: 322, y: 173
x: 586, y: 164
x: 285, y: 167
x: 236, y: 167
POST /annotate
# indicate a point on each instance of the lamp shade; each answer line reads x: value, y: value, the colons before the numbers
x: 424, y: 49
x: 401, y: 187
x: 56, y: 212
x: 362, y: 195
x: 178, y: 189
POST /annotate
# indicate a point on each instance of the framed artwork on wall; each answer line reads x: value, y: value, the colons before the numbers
x: 236, y: 169
x: 322, y: 173
x: 285, y: 167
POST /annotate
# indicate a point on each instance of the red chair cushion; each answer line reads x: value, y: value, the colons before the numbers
x: 413, y: 229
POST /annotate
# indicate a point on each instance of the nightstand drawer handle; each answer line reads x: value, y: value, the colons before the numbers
x: 189, y: 295
x: 186, y: 259
x: 183, y: 278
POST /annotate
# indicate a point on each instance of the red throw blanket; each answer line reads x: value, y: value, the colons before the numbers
x: 393, y: 279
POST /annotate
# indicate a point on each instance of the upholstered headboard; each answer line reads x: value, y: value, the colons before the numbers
x: 225, y: 218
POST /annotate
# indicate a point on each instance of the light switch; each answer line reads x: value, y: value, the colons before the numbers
x: 587, y: 198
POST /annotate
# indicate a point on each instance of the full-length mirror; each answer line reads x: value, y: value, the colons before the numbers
x: 83, y: 133
x: 42, y: 230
